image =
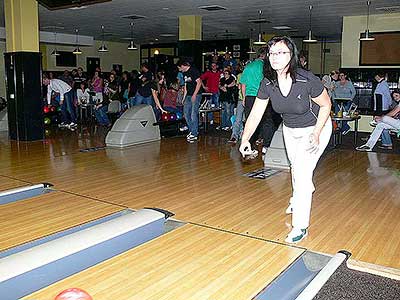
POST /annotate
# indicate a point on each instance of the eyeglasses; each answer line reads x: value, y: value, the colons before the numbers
x: 279, y: 53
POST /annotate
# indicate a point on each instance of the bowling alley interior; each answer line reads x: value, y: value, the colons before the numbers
x: 199, y: 150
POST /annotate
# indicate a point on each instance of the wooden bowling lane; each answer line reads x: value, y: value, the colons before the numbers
x: 189, y: 263
x: 356, y: 204
x: 7, y: 183
x: 36, y: 217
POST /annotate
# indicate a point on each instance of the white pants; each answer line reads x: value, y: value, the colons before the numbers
x: 386, y: 123
x: 303, y: 164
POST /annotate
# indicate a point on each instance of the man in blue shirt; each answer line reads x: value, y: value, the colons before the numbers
x: 383, y: 89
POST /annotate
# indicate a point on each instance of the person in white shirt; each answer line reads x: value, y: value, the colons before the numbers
x: 66, y: 100
x: 82, y: 94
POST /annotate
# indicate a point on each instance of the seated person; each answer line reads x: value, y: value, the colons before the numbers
x: 343, y: 89
x: 389, y: 121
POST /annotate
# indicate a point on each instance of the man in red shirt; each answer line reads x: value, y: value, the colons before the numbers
x: 212, y: 77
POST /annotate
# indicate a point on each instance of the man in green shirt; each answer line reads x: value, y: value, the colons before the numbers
x: 250, y: 82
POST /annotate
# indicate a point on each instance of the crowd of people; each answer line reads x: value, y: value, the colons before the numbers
x: 274, y: 88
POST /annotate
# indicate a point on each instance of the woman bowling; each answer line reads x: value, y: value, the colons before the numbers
x: 299, y: 96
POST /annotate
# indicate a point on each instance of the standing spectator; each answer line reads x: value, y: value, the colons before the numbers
x: 250, y: 80
x: 229, y: 61
x: 212, y: 77
x: 97, y: 86
x: 383, y: 89
x: 343, y: 89
x: 237, y: 127
x: 79, y: 78
x: 124, y: 87
x: 226, y: 85
x: 192, y: 98
x: 66, y: 77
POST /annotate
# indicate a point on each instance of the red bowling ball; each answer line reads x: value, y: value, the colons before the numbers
x: 46, y: 109
x: 165, y: 116
x: 73, y: 294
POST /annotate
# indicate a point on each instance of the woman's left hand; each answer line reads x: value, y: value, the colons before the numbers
x: 314, y: 143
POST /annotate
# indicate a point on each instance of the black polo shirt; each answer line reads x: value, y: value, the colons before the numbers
x: 297, y: 108
x: 190, y: 77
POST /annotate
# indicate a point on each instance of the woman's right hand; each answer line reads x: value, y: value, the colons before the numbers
x: 245, y: 148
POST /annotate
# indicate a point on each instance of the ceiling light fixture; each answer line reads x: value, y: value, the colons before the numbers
x: 55, y: 52
x: 103, y: 47
x: 366, y: 36
x: 310, y: 38
x: 251, y: 50
x: 132, y: 45
x: 260, y: 40
x: 77, y: 50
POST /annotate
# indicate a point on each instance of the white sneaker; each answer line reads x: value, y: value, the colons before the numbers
x: 364, y: 148
x: 189, y: 134
x: 211, y: 122
x: 373, y: 123
x: 62, y: 125
x: 296, y: 235
x: 192, y: 139
x: 184, y: 128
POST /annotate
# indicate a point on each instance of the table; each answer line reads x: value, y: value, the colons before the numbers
x: 337, y: 140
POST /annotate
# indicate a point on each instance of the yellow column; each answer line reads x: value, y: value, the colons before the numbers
x: 190, y: 28
x: 22, y: 25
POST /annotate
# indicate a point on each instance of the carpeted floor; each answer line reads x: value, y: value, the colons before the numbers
x: 347, y: 284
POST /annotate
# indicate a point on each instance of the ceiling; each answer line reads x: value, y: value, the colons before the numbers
x: 161, y: 17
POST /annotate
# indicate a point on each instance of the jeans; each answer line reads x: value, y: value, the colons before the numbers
x: 191, y: 112
x: 303, y: 164
x: 101, y: 115
x: 237, y: 127
x: 214, y: 100
x: 139, y: 99
x: 227, y: 112
x: 385, y: 123
x: 386, y: 139
x: 68, y: 113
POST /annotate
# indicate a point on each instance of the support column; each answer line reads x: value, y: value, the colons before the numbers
x: 190, y: 36
x: 23, y: 70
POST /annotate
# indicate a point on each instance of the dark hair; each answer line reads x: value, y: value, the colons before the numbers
x: 262, y: 51
x: 396, y: 91
x: 84, y: 85
x: 269, y: 72
x: 146, y: 65
x: 380, y: 73
x: 183, y: 62
x: 45, y: 76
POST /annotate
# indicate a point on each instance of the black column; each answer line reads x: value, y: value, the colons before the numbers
x: 191, y: 49
x: 24, y: 96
